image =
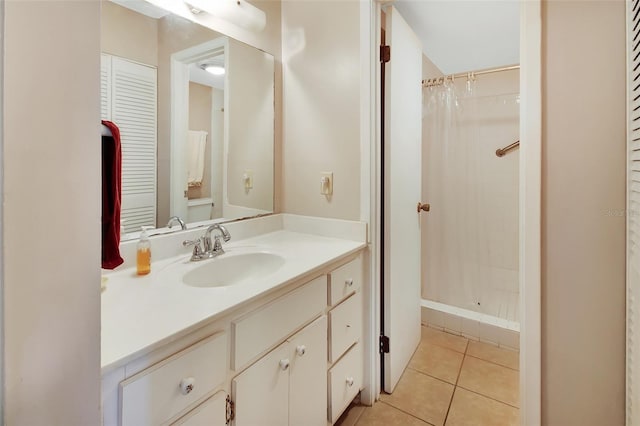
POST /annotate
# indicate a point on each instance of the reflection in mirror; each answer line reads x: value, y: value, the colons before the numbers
x: 244, y: 84
x: 195, y: 144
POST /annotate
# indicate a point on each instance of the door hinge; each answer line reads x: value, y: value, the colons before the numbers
x: 385, y: 53
x: 384, y: 344
x: 231, y: 410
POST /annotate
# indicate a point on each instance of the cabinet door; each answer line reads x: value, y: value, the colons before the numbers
x: 212, y: 412
x: 308, y: 377
x: 261, y: 393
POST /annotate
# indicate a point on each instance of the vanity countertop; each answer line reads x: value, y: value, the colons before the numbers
x: 142, y: 313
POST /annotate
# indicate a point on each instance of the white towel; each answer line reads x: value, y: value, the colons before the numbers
x: 196, y: 143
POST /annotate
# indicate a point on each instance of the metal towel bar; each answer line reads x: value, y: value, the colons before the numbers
x: 500, y: 152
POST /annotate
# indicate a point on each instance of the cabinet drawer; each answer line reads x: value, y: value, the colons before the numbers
x: 345, y: 280
x: 160, y: 392
x: 260, y: 330
x: 345, y: 322
x: 345, y: 381
x: 212, y: 412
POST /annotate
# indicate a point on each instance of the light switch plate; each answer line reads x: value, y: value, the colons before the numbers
x: 248, y: 179
x: 326, y: 183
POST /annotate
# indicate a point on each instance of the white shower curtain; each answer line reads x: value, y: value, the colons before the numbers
x: 464, y: 256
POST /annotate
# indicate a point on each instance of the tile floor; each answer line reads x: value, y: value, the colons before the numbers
x: 450, y: 381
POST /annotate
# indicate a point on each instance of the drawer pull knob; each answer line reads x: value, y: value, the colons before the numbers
x: 284, y: 364
x: 301, y: 350
x: 349, y: 282
x: 186, y: 385
x: 349, y: 381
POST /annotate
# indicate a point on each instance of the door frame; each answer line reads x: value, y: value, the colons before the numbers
x: 530, y: 212
x: 529, y: 203
x: 178, y: 203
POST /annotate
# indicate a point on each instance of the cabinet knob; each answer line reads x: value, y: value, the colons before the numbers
x: 301, y: 350
x: 349, y: 381
x: 284, y: 364
x: 349, y: 282
x: 186, y: 385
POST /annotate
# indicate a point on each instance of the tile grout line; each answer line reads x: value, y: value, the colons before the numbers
x: 488, y: 397
x: 478, y: 393
x: 455, y: 387
x: 460, y: 370
x: 447, y: 334
x: 429, y: 375
x: 406, y: 412
x: 446, y: 417
x: 494, y: 363
x: 435, y: 378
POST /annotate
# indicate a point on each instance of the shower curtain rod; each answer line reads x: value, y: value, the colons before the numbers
x: 436, y: 81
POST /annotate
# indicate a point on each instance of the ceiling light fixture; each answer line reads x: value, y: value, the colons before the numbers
x: 237, y: 12
x: 214, y: 69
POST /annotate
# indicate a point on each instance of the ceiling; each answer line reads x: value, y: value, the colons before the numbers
x: 465, y: 35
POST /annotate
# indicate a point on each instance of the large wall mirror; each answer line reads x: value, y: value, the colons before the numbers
x: 195, y: 110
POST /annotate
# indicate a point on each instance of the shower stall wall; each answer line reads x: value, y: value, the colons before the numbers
x: 470, y: 237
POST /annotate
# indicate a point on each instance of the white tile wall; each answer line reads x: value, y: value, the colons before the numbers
x: 471, y: 328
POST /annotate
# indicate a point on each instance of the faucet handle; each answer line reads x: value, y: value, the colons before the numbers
x: 217, y: 246
x: 187, y: 243
x: 197, y: 250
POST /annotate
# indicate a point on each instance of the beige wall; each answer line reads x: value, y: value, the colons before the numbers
x: 217, y: 142
x: 51, y: 241
x: 250, y: 126
x: 200, y: 110
x: 583, y: 259
x: 128, y: 34
x: 321, y: 112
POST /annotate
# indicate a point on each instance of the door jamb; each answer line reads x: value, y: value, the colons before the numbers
x: 530, y: 179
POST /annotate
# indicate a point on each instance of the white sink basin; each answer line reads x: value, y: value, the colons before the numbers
x: 233, y: 269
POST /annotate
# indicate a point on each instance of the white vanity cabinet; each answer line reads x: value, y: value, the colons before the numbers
x: 288, y: 385
x: 292, y: 357
x: 345, y: 337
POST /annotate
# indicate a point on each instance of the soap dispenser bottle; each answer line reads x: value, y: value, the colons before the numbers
x: 143, y: 253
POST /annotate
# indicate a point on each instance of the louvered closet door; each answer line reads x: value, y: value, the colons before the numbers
x: 134, y: 111
x: 633, y: 214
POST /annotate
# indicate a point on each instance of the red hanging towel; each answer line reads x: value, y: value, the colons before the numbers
x: 111, y: 197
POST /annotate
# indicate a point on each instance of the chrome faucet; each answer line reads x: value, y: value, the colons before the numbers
x: 207, y: 251
x: 176, y: 219
x: 217, y: 245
